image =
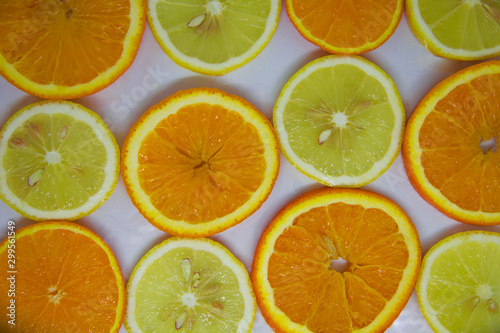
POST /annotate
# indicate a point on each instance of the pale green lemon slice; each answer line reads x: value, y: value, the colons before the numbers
x: 59, y: 161
x: 213, y: 36
x: 458, y: 288
x: 340, y: 121
x: 457, y: 29
x: 189, y: 285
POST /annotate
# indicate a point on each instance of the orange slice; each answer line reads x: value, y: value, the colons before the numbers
x: 451, y: 148
x: 68, y: 48
x: 336, y: 260
x: 65, y: 279
x: 200, y: 162
x: 345, y: 27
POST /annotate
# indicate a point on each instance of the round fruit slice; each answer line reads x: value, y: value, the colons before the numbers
x: 456, y: 29
x: 340, y: 121
x: 451, y: 149
x: 67, y: 49
x: 63, y: 278
x: 336, y: 260
x: 190, y: 285
x: 458, y: 288
x: 345, y: 27
x: 58, y: 161
x: 213, y: 36
x: 200, y: 162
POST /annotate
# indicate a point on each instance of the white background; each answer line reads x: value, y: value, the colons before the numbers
x: 153, y: 76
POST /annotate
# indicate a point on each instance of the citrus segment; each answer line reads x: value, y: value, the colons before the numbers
x: 68, y: 49
x: 58, y: 161
x: 345, y: 27
x: 450, y: 146
x: 66, y: 278
x: 458, y: 288
x: 299, y: 283
x: 455, y: 29
x: 200, y: 162
x: 215, y: 36
x: 190, y: 285
x: 340, y: 121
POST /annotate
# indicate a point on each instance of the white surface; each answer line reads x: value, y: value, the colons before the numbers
x: 153, y: 76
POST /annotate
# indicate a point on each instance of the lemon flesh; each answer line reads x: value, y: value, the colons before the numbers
x: 189, y: 286
x: 458, y: 29
x: 213, y: 36
x: 340, y: 121
x: 56, y: 166
x: 459, y: 287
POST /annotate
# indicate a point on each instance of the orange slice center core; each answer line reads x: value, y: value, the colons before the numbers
x: 487, y: 145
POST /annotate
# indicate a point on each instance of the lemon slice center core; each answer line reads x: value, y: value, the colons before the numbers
x: 52, y: 157
x: 214, y: 7
x: 484, y: 291
x: 340, y: 119
x: 189, y: 300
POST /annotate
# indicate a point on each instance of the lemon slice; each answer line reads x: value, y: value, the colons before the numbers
x: 189, y: 285
x: 458, y: 288
x: 58, y: 161
x: 340, y: 121
x: 456, y: 29
x: 213, y: 36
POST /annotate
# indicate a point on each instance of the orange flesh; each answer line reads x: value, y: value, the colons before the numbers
x: 64, y: 282
x: 63, y: 42
x: 345, y: 24
x: 201, y: 163
x: 313, y: 294
x: 450, y: 138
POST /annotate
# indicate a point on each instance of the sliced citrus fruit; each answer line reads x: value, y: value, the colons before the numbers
x: 456, y: 29
x: 200, y: 162
x: 345, y: 27
x: 58, y: 161
x: 64, y: 278
x: 61, y: 49
x: 340, y: 121
x: 213, y: 36
x: 190, y: 285
x: 458, y: 288
x: 450, y: 147
x: 336, y: 260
